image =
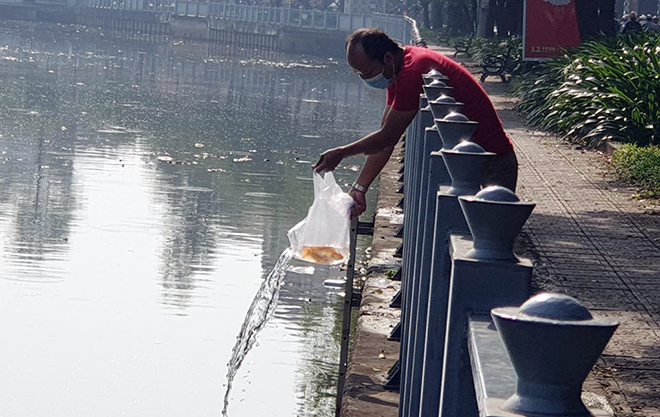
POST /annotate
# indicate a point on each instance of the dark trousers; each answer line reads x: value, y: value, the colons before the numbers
x: 503, y: 171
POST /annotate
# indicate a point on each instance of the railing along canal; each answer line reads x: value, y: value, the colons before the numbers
x: 463, y: 352
x: 399, y: 28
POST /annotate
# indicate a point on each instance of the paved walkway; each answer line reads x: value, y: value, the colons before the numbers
x: 588, y: 237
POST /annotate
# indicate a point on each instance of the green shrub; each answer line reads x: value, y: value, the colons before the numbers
x: 601, y: 91
x: 390, y: 273
x: 639, y: 166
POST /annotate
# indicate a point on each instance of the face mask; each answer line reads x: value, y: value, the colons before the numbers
x: 379, y: 81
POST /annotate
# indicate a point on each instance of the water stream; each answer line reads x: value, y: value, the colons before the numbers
x: 262, y: 308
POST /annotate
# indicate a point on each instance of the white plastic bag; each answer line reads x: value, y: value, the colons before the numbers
x: 323, y: 236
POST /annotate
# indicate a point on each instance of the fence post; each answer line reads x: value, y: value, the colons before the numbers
x: 553, y: 341
x: 485, y: 274
x: 422, y: 232
x: 411, y: 188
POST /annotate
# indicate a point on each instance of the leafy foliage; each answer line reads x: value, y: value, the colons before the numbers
x: 639, y: 166
x: 602, y: 91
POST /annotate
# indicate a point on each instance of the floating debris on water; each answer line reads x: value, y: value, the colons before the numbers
x: 243, y: 159
x: 334, y: 283
x: 111, y: 131
x: 260, y: 194
x: 303, y: 270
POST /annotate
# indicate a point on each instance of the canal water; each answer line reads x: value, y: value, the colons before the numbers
x: 146, y: 187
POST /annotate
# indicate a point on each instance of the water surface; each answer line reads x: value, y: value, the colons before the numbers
x: 146, y: 188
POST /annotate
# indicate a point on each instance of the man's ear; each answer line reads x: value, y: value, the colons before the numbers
x: 388, y: 58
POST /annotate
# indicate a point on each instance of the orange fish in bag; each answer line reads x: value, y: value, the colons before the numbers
x: 323, y: 236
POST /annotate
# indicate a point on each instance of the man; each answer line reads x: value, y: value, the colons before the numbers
x: 632, y: 25
x: 382, y: 63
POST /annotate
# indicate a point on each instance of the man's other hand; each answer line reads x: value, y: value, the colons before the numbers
x: 360, y: 202
x: 329, y: 160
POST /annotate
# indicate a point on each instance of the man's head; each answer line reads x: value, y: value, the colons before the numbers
x: 371, y: 52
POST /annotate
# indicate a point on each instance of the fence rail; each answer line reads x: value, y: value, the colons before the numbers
x: 400, y: 28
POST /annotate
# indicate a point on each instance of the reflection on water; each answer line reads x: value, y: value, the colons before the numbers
x: 145, y: 192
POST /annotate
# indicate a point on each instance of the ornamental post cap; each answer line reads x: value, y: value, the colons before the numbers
x: 468, y: 147
x: 497, y: 193
x: 455, y: 117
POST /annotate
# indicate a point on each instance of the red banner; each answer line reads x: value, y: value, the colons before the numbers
x: 548, y: 27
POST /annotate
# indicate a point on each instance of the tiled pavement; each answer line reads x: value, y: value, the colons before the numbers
x: 589, y: 238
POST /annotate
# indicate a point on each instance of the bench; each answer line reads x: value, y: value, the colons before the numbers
x: 443, y: 36
x: 463, y: 45
x: 497, y: 65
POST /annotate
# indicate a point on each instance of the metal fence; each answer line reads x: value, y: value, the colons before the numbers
x: 458, y: 264
x: 400, y: 28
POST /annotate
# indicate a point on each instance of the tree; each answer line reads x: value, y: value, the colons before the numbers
x: 595, y: 17
x: 426, y: 17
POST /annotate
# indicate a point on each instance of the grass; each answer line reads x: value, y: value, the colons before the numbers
x: 640, y: 166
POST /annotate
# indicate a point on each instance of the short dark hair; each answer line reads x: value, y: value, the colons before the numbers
x: 375, y: 42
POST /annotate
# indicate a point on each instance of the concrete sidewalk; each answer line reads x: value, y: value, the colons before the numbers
x: 588, y: 237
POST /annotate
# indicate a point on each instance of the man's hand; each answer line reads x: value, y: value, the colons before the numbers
x: 329, y: 160
x: 360, y: 202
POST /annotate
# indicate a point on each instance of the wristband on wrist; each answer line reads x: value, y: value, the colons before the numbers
x: 359, y: 187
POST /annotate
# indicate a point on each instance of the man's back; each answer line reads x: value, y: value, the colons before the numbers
x: 404, y: 93
x: 632, y: 26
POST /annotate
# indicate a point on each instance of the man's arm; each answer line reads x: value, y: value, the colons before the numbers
x: 394, y: 124
x: 385, y: 113
x: 372, y: 167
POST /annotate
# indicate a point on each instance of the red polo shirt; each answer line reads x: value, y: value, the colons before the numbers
x: 403, y: 95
